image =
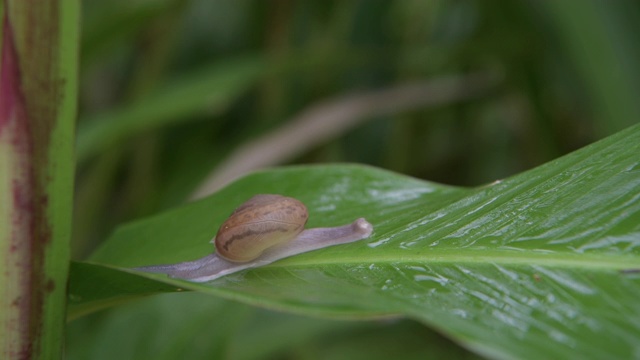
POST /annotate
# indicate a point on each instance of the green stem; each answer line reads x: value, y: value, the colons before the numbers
x: 38, y: 91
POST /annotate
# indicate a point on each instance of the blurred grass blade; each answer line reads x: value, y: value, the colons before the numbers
x: 38, y: 90
x: 210, y: 89
x: 541, y: 265
x: 331, y: 118
x: 601, y: 39
x: 106, y: 27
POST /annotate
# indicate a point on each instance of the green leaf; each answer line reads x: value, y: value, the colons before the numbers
x: 154, y: 328
x: 541, y: 265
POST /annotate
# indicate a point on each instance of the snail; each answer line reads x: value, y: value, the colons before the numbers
x: 264, y: 229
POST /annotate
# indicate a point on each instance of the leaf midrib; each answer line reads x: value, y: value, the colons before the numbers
x: 476, y: 257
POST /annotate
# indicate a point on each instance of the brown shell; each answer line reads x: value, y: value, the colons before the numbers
x: 259, y: 223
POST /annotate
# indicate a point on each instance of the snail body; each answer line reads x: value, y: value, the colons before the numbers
x: 264, y: 229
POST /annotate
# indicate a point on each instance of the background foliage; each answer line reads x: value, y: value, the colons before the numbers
x: 170, y: 89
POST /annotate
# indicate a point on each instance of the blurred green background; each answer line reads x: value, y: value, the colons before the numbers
x: 173, y: 91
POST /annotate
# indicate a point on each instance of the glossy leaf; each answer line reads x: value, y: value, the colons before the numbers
x: 541, y: 265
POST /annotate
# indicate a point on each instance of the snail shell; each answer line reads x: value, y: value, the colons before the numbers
x: 261, y: 222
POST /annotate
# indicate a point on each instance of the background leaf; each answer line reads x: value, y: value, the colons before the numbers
x: 543, y: 264
x: 189, y: 326
x: 212, y: 89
